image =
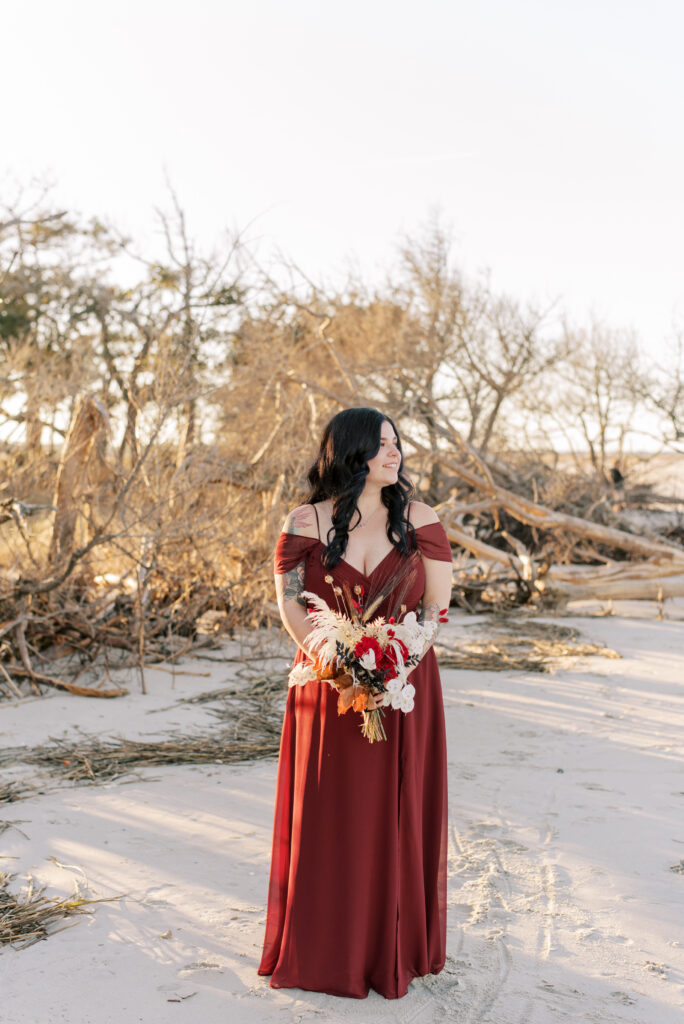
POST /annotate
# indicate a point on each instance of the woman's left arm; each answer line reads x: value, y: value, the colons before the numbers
x: 437, y: 593
x: 438, y: 574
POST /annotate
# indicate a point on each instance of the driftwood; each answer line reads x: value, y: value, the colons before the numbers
x: 59, y: 684
x: 81, y: 464
x: 658, y: 576
x: 630, y: 581
x: 655, y: 579
x: 548, y: 519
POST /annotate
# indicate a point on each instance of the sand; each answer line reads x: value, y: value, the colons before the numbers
x: 566, y: 853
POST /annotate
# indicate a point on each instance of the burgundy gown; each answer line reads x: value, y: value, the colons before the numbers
x: 357, y: 889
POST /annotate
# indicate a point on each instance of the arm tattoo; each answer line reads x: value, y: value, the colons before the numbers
x: 429, y: 613
x: 301, y: 519
x: 294, y: 585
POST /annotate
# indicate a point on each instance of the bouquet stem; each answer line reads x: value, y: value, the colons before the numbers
x: 372, y: 728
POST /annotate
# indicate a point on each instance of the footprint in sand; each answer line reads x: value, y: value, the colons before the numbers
x: 624, y: 998
x: 655, y: 968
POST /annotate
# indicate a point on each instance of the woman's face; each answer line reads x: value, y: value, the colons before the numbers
x: 383, y: 468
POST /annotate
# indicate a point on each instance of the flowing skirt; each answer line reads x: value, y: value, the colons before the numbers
x: 357, y: 890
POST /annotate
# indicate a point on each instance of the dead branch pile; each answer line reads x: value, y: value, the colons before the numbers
x: 569, y: 557
x: 97, y: 761
x: 144, y: 527
x: 28, y: 917
x: 13, y: 791
x: 253, y: 722
x: 205, y: 568
x: 171, y: 560
x: 530, y: 646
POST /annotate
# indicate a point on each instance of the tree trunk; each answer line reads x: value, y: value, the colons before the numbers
x: 187, y: 431
x: 87, y: 428
x: 34, y: 425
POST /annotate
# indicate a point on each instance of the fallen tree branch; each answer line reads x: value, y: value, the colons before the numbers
x: 79, y: 691
x: 544, y: 518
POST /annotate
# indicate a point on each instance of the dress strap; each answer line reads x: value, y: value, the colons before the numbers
x: 318, y: 525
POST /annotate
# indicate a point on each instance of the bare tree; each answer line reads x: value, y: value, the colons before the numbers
x: 662, y: 391
x: 504, y: 349
x: 48, y: 262
x: 474, y: 350
x: 591, y: 400
x: 181, y: 314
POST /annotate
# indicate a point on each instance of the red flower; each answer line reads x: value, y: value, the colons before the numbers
x: 391, y: 621
x: 388, y: 662
x: 404, y: 649
x: 368, y: 643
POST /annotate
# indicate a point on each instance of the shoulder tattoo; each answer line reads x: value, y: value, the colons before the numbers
x: 301, y: 519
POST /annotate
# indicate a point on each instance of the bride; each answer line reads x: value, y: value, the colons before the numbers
x: 357, y: 890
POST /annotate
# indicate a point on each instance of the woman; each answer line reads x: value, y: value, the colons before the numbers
x: 357, y: 891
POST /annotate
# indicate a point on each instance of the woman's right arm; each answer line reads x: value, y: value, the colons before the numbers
x: 292, y: 606
x: 289, y: 585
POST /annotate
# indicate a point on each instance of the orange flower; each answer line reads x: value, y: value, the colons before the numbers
x: 360, y: 702
x: 353, y: 697
x: 324, y: 671
x: 344, y: 701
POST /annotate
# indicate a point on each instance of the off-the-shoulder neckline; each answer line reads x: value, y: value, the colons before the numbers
x: 392, y: 550
x: 302, y: 536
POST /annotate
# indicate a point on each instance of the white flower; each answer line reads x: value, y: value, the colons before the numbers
x: 327, y: 650
x: 414, y: 634
x: 406, y: 705
x: 300, y: 675
x: 368, y: 660
x: 394, y: 686
x: 403, y: 700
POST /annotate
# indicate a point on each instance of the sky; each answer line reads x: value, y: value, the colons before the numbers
x: 547, y: 134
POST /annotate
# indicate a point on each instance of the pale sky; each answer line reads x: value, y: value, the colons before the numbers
x: 549, y: 134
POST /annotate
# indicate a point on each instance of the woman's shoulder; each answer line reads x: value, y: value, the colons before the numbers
x: 301, y: 522
x: 432, y: 543
x: 421, y: 514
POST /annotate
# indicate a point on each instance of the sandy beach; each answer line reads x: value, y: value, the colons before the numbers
x: 566, y: 858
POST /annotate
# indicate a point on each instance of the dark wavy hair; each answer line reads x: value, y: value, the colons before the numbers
x: 350, y: 439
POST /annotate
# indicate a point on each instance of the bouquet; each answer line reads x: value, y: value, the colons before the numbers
x: 367, y: 660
